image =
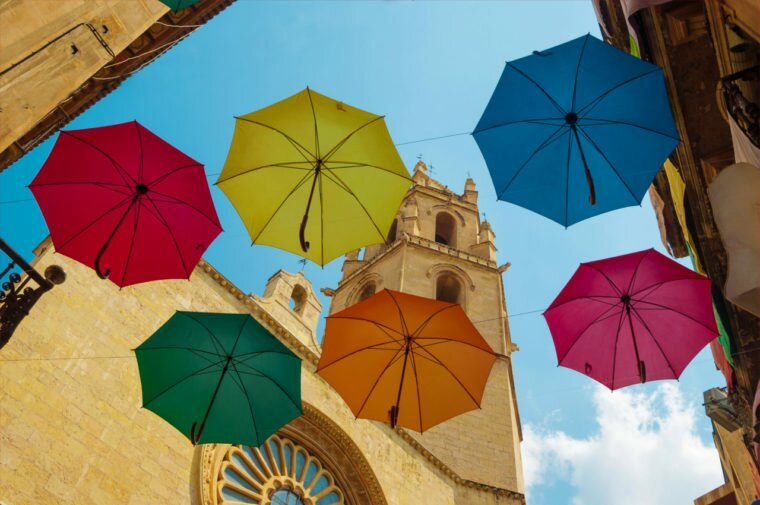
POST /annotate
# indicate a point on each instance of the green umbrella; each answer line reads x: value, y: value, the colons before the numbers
x: 219, y: 378
x: 176, y: 5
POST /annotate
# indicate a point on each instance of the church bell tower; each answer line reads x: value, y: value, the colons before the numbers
x: 439, y: 248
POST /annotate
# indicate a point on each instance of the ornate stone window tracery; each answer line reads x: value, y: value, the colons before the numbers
x: 279, y: 472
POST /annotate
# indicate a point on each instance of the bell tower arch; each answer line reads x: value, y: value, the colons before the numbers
x: 441, y: 249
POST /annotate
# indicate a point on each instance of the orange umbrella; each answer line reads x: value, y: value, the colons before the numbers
x: 404, y: 359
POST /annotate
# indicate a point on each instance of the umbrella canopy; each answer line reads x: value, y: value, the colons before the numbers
x: 631, y: 319
x: 121, y: 200
x: 406, y: 360
x: 314, y: 176
x: 576, y: 130
x: 176, y: 5
x: 219, y: 378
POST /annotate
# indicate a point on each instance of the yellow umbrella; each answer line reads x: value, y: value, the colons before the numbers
x: 314, y: 176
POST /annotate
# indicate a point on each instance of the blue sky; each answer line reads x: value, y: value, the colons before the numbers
x: 430, y: 67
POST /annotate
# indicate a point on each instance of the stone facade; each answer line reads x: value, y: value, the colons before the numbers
x: 72, y: 429
x: 441, y: 248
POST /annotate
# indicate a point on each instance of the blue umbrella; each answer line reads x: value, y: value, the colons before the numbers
x: 577, y: 130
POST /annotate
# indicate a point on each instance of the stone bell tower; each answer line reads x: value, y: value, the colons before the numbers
x: 439, y: 248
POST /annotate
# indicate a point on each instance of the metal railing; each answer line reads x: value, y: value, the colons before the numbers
x: 742, y: 110
x: 21, y: 287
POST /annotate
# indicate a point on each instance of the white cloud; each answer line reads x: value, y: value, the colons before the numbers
x: 646, y: 451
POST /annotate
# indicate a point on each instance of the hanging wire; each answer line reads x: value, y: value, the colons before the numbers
x: 433, y: 138
x: 137, y: 56
x: 177, y: 26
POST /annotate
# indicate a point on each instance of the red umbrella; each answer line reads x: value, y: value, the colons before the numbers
x: 632, y: 318
x: 123, y: 201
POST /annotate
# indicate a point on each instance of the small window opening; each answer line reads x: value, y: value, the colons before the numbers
x: 445, y: 229
x: 367, y: 291
x: 298, y: 299
x: 448, y: 289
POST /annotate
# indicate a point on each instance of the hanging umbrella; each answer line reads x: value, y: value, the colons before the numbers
x: 219, y: 378
x: 631, y: 319
x: 314, y: 176
x: 406, y: 360
x: 577, y: 130
x: 123, y: 201
x: 177, y: 5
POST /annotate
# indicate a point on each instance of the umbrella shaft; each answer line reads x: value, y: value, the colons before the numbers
x: 302, y: 232
x: 394, y: 410
x: 589, y: 179
x: 639, y: 363
x: 197, y: 436
x: 101, y: 273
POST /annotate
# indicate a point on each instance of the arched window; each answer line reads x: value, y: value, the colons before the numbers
x: 445, y: 229
x: 448, y: 289
x: 298, y: 299
x: 367, y: 291
x: 393, y: 232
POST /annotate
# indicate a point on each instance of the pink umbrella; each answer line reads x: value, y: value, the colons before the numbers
x: 632, y: 318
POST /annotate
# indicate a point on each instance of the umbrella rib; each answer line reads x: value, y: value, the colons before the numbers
x: 85, y: 228
x: 340, y: 144
x: 104, y: 185
x: 451, y: 341
x: 240, y: 332
x: 160, y: 178
x: 593, y: 298
x: 348, y: 190
x: 360, y: 165
x: 195, y: 351
x: 368, y: 321
x: 659, y: 284
x: 430, y: 317
x: 607, y: 122
x: 453, y: 375
x: 541, y: 121
x: 196, y: 373
x: 614, y: 286
x: 596, y: 320
x: 208, y: 330
x: 256, y: 354
x: 248, y: 400
x: 549, y: 140
x: 646, y: 327
x: 615, y: 348
x: 290, y: 139
x: 257, y: 373
x: 636, y: 271
x: 417, y: 387
x: 404, y: 327
x: 368, y: 348
x: 577, y: 70
x: 161, y: 219
x: 588, y: 107
x: 665, y: 307
x: 593, y: 144
x: 142, y: 161
x: 284, y: 164
x: 119, y: 169
x: 553, y: 101
x: 380, y: 376
x: 314, y: 115
x: 284, y: 201
x: 132, y: 242
x: 175, y: 200
x: 567, y: 177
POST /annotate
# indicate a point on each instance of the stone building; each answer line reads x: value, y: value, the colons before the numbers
x: 72, y: 429
x: 708, y: 194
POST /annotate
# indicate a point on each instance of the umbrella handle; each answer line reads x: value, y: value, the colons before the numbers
x: 195, y: 437
x: 103, y: 274
x: 591, y: 191
x: 302, y: 234
x: 394, y: 416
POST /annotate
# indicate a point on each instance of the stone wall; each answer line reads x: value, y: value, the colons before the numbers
x: 73, y: 430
